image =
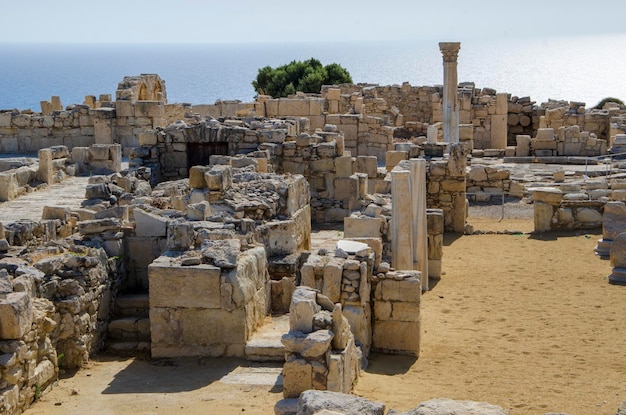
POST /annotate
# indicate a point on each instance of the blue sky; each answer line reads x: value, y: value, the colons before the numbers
x: 201, y: 21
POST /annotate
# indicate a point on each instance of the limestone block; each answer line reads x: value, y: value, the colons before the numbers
x: 331, y: 286
x: 346, y: 187
x: 543, y: 213
x: 502, y: 104
x: 313, y: 344
x: 588, y: 215
x: 149, y: 224
x: 401, y: 337
x: 196, y: 177
x: 124, y: 108
x: 499, y: 130
x: 613, y: 220
x: 325, y: 402
x: 402, y: 311
x: 180, y: 235
x: 368, y: 165
x: 362, y: 227
x: 359, y: 319
x: 523, y: 146
x: 89, y: 227
x: 477, y: 174
x: 177, y: 332
x: 16, y: 315
x: 119, y: 212
x: 550, y: 195
x: 449, y: 406
x: 333, y: 94
x: 219, y: 177
x: 408, y: 290
x: 61, y: 213
x: 303, y: 307
x: 392, y: 158
x: 183, y: 286
x: 545, y: 134
x: 198, y: 211
x: 296, y: 377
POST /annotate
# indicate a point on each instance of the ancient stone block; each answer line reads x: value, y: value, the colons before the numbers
x: 331, y: 286
x: 177, y: 286
x: 397, y: 337
x: 219, y: 177
x: 362, y: 227
x: 303, y: 307
x: 543, y: 213
x: 16, y: 315
x: 149, y: 224
x: 196, y: 177
x: 296, y: 377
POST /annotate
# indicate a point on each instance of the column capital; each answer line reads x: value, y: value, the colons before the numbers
x: 450, y: 50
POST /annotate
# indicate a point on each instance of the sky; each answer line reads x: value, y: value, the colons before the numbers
x: 243, y: 21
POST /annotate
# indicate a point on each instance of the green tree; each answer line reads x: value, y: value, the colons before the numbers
x: 307, y: 76
x: 608, y: 99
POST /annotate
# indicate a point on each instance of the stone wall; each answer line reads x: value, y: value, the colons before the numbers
x: 321, y: 352
x: 209, y: 308
x: 54, y: 309
x: 557, y: 114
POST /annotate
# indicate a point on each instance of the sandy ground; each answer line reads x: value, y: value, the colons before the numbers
x: 526, y: 322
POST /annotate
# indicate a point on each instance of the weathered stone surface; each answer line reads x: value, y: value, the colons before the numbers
x: 551, y: 195
x: 219, y: 177
x: 303, y: 307
x: 221, y: 253
x: 331, y: 286
x: 587, y: 215
x: 613, y: 220
x: 296, y: 377
x: 16, y: 315
x: 180, y: 235
x: 543, y: 213
x: 149, y: 224
x: 198, y: 211
x: 89, y: 227
x: 196, y: 177
x: 444, y: 406
x: 618, y: 251
x: 177, y: 286
x: 313, y: 344
x: 313, y: 402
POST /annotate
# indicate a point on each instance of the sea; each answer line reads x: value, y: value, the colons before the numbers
x: 574, y: 68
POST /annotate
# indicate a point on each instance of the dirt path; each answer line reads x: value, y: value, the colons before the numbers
x: 526, y: 322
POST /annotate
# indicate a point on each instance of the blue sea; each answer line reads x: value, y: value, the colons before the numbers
x: 583, y: 69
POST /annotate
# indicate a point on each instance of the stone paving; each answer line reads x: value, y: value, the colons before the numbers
x: 70, y: 193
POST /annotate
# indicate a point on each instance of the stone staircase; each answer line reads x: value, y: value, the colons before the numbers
x: 129, y: 330
x: 265, y: 345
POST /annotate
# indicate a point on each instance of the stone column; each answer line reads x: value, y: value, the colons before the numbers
x: 419, y: 223
x: 46, y: 170
x: 401, y: 232
x: 450, y: 52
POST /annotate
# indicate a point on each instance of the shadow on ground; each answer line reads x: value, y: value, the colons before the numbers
x: 169, y: 375
x: 384, y: 364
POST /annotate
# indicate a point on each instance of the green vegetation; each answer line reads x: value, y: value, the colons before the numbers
x: 608, y: 99
x: 307, y: 76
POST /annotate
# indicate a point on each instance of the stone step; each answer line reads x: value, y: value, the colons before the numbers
x: 129, y: 348
x: 130, y: 329
x: 132, y: 305
x: 265, y: 344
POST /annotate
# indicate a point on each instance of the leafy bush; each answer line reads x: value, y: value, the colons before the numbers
x: 307, y: 76
x: 608, y: 99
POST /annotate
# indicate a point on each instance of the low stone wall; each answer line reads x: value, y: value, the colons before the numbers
x: 321, y: 352
x: 556, y: 210
x: 206, y: 305
x: 54, y: 309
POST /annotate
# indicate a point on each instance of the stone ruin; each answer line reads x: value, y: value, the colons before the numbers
x: 212, y: 221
